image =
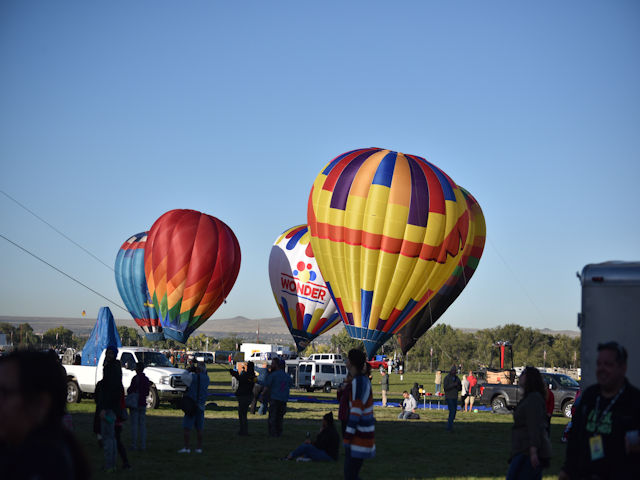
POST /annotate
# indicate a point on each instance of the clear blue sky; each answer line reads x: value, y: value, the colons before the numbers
x: 112, y: 113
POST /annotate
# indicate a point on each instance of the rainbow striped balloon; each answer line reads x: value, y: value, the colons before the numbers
x: 298, y: 287
x: 388, y: 230
x: 191, y: 263
x: 412, y: 331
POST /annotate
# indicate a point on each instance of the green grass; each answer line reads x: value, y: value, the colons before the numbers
x: 477, y: 449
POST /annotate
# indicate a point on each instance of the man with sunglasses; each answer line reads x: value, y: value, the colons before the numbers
x: 603, y: 442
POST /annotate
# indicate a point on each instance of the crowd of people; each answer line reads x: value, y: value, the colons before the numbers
x: 602, y: 443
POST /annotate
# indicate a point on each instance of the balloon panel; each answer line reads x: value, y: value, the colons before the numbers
x: 132, y: 286
x: 191, y: 263
x: 387, y: 230
x: 435, y: 308
x: 299, y: 289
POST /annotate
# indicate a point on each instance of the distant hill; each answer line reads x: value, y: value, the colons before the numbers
x: 271, y: 329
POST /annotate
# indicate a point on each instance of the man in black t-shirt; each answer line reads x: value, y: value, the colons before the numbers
x: 603, y: 441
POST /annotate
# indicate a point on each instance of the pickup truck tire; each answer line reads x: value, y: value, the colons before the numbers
x: 498, y: 403
x: 327, y: 387
x: 309, y: 389
x: 152, y: 398
x: 73, y: 392
x: 566, y: 408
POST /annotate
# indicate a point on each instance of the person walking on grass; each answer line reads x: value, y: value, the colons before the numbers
x: 452, y: 386
x: 359, y: 436
x: 277, y: 387
x: 197, y: 382
x: 384, y: 386
x: 244, y: 393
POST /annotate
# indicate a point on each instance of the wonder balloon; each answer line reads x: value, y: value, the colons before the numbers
x: 433, y: 310
x: 132, y: 285
x: 298, y: 287
x: 191, y: 263
x: 387, y: 230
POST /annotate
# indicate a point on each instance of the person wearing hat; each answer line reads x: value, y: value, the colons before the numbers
x: 108, y: 404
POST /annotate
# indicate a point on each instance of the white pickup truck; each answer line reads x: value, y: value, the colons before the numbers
x: 166, y: 381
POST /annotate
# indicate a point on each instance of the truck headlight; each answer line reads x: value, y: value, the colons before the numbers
x: 165, y: 380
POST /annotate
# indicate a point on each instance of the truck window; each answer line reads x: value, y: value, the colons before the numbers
x: 128, y: 361
x: 153, y: 359
x: 567, y: 381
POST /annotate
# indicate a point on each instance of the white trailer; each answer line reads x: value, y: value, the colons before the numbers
x: 610, y: 312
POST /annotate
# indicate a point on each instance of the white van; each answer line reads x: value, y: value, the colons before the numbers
x: 326, y: 357
x: 261, y: 357
x: 314, y: 375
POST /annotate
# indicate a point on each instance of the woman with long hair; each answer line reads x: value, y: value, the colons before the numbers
x: 530, y: 444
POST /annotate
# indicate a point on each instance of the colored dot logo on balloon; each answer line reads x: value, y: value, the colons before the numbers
x: 304, y: 273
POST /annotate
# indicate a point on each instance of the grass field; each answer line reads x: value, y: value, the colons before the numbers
x: 478, y: 447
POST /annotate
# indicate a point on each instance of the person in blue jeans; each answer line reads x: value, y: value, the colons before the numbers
x: 198, y: 385
x: 451, y: 386
x: 140, y: 385
x: 324, y: 448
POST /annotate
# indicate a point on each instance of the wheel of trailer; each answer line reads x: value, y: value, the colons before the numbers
x: 498, y: 403
x: 152, y: 398
x: 73, y: 392
x: 566, y: 408
x: 327, y: 387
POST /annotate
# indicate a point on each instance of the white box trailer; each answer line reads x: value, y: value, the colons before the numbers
x: 610, y: 312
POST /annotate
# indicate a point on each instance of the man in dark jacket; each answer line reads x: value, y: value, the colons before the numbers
x: 324, y: 448
x: 109, y: 400
x: 452, y: 386
x: 603, y: 440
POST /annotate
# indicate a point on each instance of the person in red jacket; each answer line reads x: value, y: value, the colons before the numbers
x: 472, y: 393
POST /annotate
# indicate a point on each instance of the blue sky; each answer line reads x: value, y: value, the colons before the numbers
x: 112, y: 113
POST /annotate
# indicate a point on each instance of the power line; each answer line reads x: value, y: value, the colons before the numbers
x: 55, y: 229
x: 65, y: 274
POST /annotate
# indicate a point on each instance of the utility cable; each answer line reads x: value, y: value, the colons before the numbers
x: 55, y: 229
x: 63, y: 273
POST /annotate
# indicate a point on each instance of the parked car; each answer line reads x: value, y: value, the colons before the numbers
x: 206, y: 357
x: 314, y: 375
x: 501, y: 396
x: 166, y: 380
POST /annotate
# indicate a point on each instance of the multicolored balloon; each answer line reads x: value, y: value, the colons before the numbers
x: 191, y: 263
x: 132, y: 285
x: 387, y: 229
x: 298, y: 287
x: 412, y: 331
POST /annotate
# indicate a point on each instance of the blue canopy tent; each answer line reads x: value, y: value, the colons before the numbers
x: 104, y: 333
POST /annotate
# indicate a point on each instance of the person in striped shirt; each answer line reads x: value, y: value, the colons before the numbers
x: 359, y: 436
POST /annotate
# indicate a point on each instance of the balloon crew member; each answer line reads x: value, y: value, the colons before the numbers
x: 140, y: 385
x: 603, y: 441
x: 451, y: 386
x: 34, y: 444
x: 277, y: 387
x: 197, y: 382
x: 109, y: 406
x: 244, y: 394
x: 359, y: 436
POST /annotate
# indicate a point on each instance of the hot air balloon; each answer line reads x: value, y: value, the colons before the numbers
x: 191, y: 263
x: 298, y: 287
x: 433, y: 310
x: 132, y: 285
x: 387, y: 230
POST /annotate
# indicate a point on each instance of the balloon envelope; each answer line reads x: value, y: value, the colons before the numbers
x: 412, y: 331
x: 299, y: 289
x: 191, y: 263
x: 387, y: 230
x: 132, y: 286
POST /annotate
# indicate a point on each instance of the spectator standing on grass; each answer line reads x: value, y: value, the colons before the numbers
x: 438, y: 381
x: 34, y: 444
x: 530, y: 444
x: 197, y: 382
x: 471, y: 394
x: 277, y: 387
x: 140, y: 385
x: 122, y: 451
x: 464, y: 393
x: 244, y: 393
x: 109, y: 405
x: 359, y: 436
x: 409, y: 405
x: 603, y: 440
x: 324, y: 448
x: 384, y: 386
x: 344, y: 394
x: 451, y: 387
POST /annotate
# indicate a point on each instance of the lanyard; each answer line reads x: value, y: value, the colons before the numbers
x: 606, y: 410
